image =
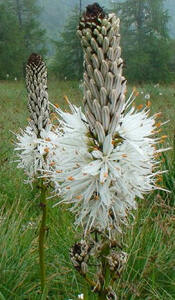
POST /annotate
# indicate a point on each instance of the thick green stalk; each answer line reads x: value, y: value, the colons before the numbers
x: 89, y: 282
x: 105, y: 272
x: 42, y: 236
x: 86, y: 293
x: 101, y: 296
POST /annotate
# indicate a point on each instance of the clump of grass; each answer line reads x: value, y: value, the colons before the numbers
x: 149, y: 273
x: 169, y: 177
x: 19, y: 227
x: 17, y: 241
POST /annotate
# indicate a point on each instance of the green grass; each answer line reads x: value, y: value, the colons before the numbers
x: 150, y: 242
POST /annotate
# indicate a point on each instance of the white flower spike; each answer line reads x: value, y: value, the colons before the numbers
x: 106, y: 157
x: 31, y: 146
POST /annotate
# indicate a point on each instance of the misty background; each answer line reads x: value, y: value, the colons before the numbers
x: 49, y: 28
x: 55, y: 13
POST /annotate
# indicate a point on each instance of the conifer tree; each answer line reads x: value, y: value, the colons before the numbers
x: 27, y: 13
x: 11, y: 41
x: 21, y: 33
x: 145, y: 39
x: 69, y: 56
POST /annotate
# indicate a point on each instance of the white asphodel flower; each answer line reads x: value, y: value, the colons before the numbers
x: 147, y: 96
x: 101, y: 181
x: 106, y: 157
x: 33, y: 153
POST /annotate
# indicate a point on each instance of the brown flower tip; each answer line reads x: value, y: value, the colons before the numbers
x: 35, y: 59
x: 92, y: 16
x: 94, y: 11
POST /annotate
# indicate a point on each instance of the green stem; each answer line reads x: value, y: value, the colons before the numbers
x: 42, y: 236
x: 89, y: 282
x: 85, y: 290
x: 101, y: 296
x: 105, y: 271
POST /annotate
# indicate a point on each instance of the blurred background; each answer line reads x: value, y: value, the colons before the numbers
x: 49, y: 28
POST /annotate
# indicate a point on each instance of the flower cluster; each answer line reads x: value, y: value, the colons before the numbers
x: 102, y: 159
x: 32, y: 151
x: 106, y: 156
x: 101, y: 182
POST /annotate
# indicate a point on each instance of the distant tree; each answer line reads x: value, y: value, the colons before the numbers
x: 172, y: 60
x: 11, y: 44
x: 55, y: 13
x: 145, y: 40
x: 22, y: 31
x: 28, y: 13
x: 68, y: 60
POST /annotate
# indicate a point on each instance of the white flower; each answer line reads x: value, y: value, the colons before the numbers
x: 33, y: 153
x: 102, y: 181
x: 81, y: 86
x: 81, y: 296
x: 104, y: 158
x: 156, y: 85
x: 147, y: 96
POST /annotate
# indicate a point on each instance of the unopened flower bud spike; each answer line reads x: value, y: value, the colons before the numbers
x: 108, y: 27
x: 36, y: 83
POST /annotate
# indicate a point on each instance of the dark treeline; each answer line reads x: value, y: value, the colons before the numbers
x: 147, y: 48
x: 20, y: 34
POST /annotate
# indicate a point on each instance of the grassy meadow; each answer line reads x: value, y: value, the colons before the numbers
x: 150, y: 242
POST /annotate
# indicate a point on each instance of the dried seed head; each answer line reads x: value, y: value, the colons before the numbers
x: 111, y: 295
x: 79, y: 256
x: 36, y: 83
x: 117, y: 261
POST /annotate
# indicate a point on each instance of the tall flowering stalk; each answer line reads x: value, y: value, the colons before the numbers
x: 32, y: 152
x: 105, y: 157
